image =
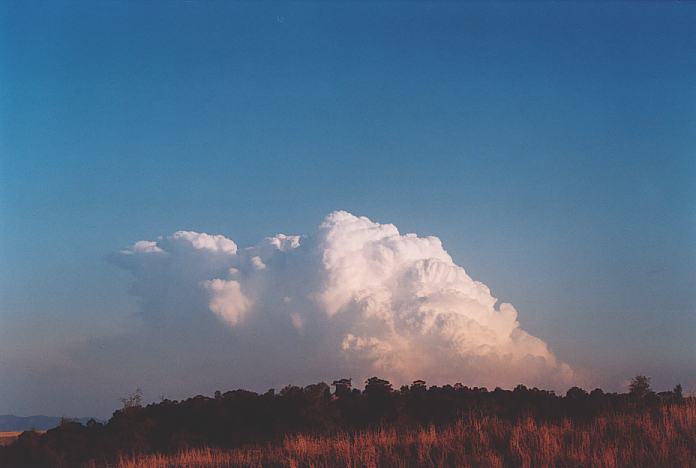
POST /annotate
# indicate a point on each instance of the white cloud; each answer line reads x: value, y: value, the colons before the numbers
x: 258, y: 263
x: 143, y: 247
x: 355, y: 298
x: 227, y: 300
x: 206, y: 241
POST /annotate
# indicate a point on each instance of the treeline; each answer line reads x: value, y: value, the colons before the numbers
x: 237, y: 418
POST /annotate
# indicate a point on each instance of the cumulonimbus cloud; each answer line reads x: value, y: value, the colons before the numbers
x: 355, y: 298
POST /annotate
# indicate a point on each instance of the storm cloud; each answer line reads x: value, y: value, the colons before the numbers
x: 354, y: 298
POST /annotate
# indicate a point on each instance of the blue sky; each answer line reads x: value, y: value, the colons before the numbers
x: 549, y: 145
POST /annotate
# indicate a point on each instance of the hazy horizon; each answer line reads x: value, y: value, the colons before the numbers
x: 541, y: 153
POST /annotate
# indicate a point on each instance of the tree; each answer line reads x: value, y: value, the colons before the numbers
x: 317, y: 391
x: 576, y: 393
x: 597, y: 394
x: 134, y: 400
x: 93, y: 423
x: 376, y: 386
x: 640, y: 386
x: 678, y: 393
x: 419, y: 386
x: 343, y: 387
x: 291, y: 391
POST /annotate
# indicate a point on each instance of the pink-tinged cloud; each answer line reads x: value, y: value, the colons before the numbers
x: 355, y: 298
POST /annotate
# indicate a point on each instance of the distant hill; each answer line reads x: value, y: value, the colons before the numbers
x: 10, y: 422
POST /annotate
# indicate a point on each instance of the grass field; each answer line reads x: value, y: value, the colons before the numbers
x: 664, y: 437
x: 8, y: 437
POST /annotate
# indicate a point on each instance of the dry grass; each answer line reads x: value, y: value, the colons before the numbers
x: 666, y: 437
x: 7, y: 437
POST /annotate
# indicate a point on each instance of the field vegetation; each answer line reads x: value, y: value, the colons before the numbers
x: 416, y: 425
x: 659, y: 438
x: 7, y: 437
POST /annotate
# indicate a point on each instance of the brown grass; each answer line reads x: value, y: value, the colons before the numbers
x: 7, y: 437
x: 665, y: 437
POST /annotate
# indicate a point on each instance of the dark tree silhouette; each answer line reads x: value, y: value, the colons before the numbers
x: 343, y: 387
x: 134, y: 400
x: 640, y: 386
x: 576, y: 393
x: 419, y: 386
x: 375, y: 386
x: 678, y: 393
x: 240, y: 417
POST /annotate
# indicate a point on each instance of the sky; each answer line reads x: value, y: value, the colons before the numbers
x: 549, y: 146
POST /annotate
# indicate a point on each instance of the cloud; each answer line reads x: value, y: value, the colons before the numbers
x: 227, y: 300
x: 142, y: 247
x: 202, y: 241
x: 354, y: 298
